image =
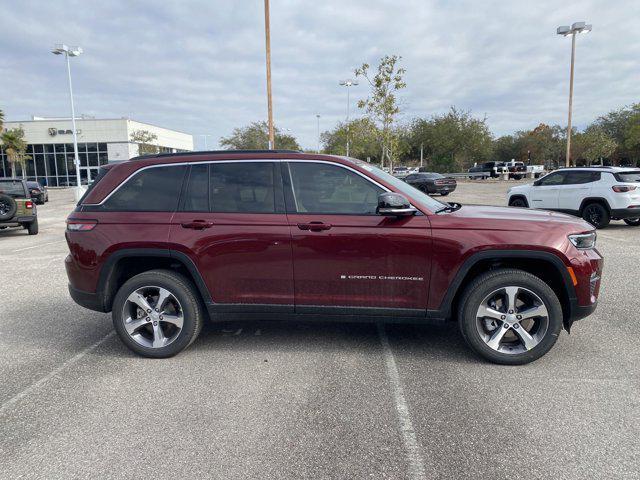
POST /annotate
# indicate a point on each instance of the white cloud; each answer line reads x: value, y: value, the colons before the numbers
x: 199, y: 66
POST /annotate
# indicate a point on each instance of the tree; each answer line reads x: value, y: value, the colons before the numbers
x: 15, y: 148
x: 632, y: 135
x: 506, y: 148
x: 382, y: 105
x: 593, y: 145
x: 543, y: 145
x: 145, y: 140
x: 452, y: 141
x: 255, y: 136
x: 363, y: 135
x: 1, y: 120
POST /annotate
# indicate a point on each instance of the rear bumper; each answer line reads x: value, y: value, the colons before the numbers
x: 18, y: 221
x: 89, y: 300
x: 622, y: 213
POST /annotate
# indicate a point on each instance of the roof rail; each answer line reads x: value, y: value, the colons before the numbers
x: 210, y: 152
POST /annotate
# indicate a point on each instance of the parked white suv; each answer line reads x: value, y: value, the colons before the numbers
x: 598, y: 195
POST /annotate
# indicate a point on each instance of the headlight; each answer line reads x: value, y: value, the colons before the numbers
x: 583, y: 241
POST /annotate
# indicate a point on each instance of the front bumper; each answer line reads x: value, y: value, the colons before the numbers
x: 622, y: 213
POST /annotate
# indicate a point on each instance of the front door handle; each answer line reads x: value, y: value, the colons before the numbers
x: 314, y: 226
x: 197, y: 224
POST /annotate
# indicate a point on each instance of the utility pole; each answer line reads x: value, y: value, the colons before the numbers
x: 272, y: 140
x: 421, y: 154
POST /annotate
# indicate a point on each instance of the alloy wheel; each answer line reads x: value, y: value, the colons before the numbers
x: 593, y: 215
x: 512, y: 320
x: 153, y: 316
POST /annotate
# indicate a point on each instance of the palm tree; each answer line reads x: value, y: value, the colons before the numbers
x: 15, y: 148
x: 1, y: 119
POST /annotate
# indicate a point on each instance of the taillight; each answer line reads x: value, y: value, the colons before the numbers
x: 623, y: 188
x: 28, y: 204
x: 81, y: 225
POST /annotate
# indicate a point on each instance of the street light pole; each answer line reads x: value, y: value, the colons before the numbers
x: 577, y: 27
x: 348, y: 83
x: 318, y: 118
x: 61, y: 49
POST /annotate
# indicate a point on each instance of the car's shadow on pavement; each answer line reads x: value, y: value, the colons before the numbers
x: 426, y: 342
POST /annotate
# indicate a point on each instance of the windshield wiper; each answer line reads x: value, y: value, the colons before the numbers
x: 450, y: 207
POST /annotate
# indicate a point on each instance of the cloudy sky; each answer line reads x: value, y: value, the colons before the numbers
x: 198, y: 66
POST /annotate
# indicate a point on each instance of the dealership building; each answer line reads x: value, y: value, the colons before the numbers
x: 100, y: 141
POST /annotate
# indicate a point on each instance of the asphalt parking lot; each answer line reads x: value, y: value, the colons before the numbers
x: 309, y: 400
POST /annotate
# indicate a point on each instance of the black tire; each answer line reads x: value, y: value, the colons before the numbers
x: 633, y: 222
x: 596, y: 214
x: 183, y: 290
x: 488, y: 282
x: 444, y: 194
x: 518, y: 202
x: 32, y: 227
x: 8, y: 207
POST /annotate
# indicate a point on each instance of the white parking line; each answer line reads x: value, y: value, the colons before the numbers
x: 19, y: 396
x: 37, y: 246
x: 414, y: 456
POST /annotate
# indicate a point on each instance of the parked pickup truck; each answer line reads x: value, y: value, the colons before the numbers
x: 16, y: 207
x: 487, y: 169
x: 517, y: 170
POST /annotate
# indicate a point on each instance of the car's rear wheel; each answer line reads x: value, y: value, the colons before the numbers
x: 444, y: 194
x: 634, y: 222
x: 596, y: 214
x: 510, y: 317
x: 32, y: 227
x: 157, y: 313
x: 518, y: 202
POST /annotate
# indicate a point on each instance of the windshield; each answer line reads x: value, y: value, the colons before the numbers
x: 425, y: 200
x: 12, y: 187
x: 631, y: 176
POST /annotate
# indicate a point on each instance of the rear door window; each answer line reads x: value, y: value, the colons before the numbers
x: 244, y: 187
x: 154, y: 189
x: 581, y: 176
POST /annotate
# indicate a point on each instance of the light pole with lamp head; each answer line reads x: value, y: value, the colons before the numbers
x: 62, y: 49
x: 565, y: 30
x: 348, y: 84
x: 318, y: 118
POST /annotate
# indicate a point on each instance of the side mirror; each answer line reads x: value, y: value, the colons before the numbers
x: 536, y: 183
x: 391, y: 204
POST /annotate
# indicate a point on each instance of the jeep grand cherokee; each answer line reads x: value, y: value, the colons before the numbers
x: 168, y: 241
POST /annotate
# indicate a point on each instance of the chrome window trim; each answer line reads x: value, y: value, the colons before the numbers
x: 177, y: 164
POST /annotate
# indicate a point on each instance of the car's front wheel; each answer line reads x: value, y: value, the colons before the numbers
x: 510, y: 316
x: 518, y: 202
x: 157, y: 313
x: 634, y: 222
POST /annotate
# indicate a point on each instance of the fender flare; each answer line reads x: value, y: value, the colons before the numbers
x: 586, y: 201
x: 444, y: 311
x: 106, y: 273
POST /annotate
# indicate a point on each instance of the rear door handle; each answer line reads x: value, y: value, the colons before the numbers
x: 314, y: 226
x: 198, y: 225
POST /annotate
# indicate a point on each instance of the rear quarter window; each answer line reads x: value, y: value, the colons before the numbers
x: 154, y: 189
x: 631, y: 177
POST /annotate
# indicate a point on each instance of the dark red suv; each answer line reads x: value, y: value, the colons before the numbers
x: 166, y: 242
